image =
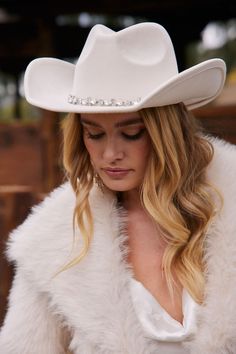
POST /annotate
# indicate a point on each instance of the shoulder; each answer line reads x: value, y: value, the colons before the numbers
x: 222, y: 169
x: 220, y: 248
x: 42, y: 235
x: 44, y: 243
x: 221, y: 173
x: 223, y: 149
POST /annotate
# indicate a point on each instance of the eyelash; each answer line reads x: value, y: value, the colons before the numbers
x: 126, y: 136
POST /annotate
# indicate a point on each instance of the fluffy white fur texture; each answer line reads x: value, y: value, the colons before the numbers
x: 91, y: 301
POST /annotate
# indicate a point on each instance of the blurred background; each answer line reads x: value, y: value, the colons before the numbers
x: 30, y: 138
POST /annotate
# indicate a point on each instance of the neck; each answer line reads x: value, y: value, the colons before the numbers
x: 131, y: 200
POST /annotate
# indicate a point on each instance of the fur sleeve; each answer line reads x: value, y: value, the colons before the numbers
x: 30, y: 326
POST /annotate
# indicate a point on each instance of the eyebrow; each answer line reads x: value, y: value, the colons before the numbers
x: 124, y: 123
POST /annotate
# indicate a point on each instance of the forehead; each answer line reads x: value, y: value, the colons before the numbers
x: 111, y: 118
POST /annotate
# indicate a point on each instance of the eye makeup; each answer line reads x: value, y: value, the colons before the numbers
x: 124, y: 135
x: 136, y: 136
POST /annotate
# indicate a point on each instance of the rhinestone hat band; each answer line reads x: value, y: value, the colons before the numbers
x: 89, y: 101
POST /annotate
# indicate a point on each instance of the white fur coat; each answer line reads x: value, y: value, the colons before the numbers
x: 91, y: 300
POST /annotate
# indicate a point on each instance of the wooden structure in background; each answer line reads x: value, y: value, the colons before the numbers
x: 30, y: 154
x: 219, y: 121
x: 30, y: 169
x: 15, y: 204
x: 51, y: 151
x: 20, y: 155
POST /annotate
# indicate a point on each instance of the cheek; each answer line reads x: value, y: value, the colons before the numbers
x: 87, y: 145
x: 143, y: 151
x: 142, y: 157
x: 90, y: 148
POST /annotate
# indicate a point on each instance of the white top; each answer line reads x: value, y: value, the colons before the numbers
x: 159, y: 325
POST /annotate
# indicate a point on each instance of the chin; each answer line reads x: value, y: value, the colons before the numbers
x: 117, y: 189
x: 120, y: 186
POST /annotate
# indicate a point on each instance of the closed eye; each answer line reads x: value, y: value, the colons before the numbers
x: 134, y: 136
x: 129, y: 134
x: 94, y: 136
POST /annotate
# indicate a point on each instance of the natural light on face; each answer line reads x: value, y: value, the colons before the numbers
x: 119, y: 147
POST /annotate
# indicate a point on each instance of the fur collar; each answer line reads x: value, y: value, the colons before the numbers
x: 93, y: 297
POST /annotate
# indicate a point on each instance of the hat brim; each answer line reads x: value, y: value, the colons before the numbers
x: 48, y: 83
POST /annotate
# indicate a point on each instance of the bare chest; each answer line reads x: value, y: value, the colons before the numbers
x: 146, y: 249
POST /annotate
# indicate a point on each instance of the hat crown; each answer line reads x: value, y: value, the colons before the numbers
x: 142, y: 55
x: 122, y: 71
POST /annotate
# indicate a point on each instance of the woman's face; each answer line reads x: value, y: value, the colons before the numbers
x: 119, y: 147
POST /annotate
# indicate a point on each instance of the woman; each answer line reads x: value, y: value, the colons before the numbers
x: 136, y: 253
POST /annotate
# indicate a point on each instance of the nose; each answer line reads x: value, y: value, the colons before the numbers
x: 112, y: 151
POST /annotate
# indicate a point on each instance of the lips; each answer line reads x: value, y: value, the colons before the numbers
x: 116, y: 172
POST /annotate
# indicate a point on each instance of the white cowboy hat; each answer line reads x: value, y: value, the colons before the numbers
x: 122, y: 71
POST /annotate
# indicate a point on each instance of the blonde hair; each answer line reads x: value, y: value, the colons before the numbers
x: 80, y: 172
x: 174, y: 191
x: 176, y: 194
